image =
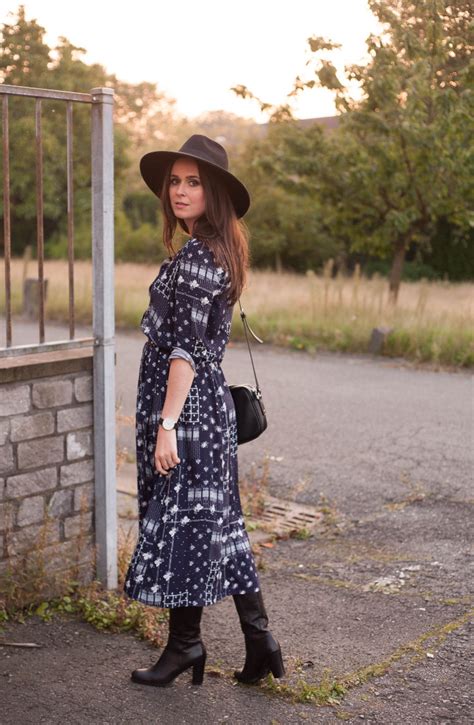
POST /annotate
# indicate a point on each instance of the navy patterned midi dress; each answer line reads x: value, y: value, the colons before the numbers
x: 192, y: 547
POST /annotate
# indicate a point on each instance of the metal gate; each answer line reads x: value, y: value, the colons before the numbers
x: 103, y: 323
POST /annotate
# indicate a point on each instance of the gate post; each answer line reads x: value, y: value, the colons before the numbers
x: 102, y: 147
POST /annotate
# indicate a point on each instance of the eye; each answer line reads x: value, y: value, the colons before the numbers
x: 194, y: 182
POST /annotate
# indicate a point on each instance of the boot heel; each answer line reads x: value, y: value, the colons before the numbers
x: 275, y: 662
x: 198, y: 670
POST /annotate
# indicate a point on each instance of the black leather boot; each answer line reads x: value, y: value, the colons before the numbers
x: 263, y: 653
x: 183, y: 650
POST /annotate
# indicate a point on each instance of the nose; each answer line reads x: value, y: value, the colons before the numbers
x: 180, y: 188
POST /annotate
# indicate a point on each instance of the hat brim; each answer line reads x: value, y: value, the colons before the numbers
x: 153, y: 167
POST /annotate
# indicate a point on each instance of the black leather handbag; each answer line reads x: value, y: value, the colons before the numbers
x: 249, y: 407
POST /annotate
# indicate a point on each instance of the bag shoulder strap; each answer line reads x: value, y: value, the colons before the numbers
x: 247, y: 327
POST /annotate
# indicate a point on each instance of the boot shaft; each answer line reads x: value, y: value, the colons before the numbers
x: 252, y: 614
x: 185, y: 625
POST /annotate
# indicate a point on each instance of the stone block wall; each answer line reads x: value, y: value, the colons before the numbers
x: 46, y: 469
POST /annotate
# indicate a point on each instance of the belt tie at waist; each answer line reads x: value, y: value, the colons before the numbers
x: 212, y: 363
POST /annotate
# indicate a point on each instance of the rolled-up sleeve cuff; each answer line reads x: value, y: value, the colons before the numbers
x: 184, y: 354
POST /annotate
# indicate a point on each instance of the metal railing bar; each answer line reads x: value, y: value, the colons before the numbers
x: 103, y: 321
x: 51, y: 94
x: 6, y: 220
x: 70, y: 214
x: 79, y: 342
x: 39, y: 215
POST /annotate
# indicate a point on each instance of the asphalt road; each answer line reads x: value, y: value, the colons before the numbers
x: 381, y: 594
x: 358, y: 430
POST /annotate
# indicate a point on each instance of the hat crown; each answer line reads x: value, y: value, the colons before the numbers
x: 207, y: 149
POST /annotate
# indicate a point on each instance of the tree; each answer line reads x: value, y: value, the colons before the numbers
x: 401, y: 159
x: 25, y: 59
x: 414, y: 123
x: 288, y: 221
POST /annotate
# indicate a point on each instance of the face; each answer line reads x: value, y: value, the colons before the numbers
x: 186, y: 192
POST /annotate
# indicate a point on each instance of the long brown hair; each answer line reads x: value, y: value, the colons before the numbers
x: 221, y: 231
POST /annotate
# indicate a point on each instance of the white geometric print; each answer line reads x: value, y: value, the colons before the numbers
x: 192, y: 548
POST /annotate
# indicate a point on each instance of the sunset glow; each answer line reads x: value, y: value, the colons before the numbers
x: 196, y: 51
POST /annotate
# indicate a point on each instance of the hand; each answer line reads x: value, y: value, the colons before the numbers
x: 166, y: 451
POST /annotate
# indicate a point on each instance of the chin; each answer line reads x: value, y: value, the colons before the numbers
x: 179, y: 215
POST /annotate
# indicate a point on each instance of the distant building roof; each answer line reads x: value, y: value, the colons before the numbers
x: 329, y: 123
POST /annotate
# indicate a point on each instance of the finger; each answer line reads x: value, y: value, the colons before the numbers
x: 163, y: 464
x: 166, y: 458
x: 160, y: 465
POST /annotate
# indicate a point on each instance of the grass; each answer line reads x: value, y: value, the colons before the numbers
x: 432, y: 321
x: 252, y: 490
x: 28, y: 579
x: 31, y: 589
x: 326, y: 692
x: 106, y: 610
x: 331, y: 690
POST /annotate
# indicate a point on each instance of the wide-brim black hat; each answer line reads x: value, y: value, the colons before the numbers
x: 153, y: 167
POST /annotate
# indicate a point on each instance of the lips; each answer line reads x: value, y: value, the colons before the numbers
x: 180, y: 204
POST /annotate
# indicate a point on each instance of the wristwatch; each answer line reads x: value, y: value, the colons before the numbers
x: 167, y: 423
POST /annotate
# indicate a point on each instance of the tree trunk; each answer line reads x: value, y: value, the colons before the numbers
x: 278, y: 264
x: 396, y: 270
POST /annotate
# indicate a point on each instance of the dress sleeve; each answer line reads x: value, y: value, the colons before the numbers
x: 199, y: 282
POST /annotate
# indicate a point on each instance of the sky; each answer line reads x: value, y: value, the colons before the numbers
x: 196, y: 50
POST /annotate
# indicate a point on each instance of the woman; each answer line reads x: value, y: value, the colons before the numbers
x: 192, y: 548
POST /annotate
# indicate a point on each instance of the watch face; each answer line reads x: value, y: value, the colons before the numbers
x: 168, y: 423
